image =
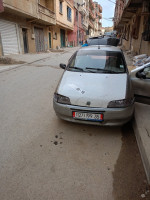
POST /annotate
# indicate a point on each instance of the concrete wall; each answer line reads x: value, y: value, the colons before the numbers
x: 57, y: 41
x: 28, y: 7
x: 48, y: 4
x: 62, y: 18
x: 72, y: 35
x: 22, y: 23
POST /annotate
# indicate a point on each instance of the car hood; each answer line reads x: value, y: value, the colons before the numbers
x: 92, y: 89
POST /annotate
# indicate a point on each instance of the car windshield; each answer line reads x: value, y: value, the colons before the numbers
x: 97, y: 61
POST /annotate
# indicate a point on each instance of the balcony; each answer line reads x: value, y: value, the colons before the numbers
x: 91, y: 24
x: 46, y: 15
x: 83, y: 10
x: 91, y: 14
x: 91, y: 5
x: 99, y: 15
x: 85, y: 24
x: 100, y: 8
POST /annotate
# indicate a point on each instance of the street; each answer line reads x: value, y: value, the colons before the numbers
x: 45, y: 158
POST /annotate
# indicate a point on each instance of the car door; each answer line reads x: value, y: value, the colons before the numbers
x: 141, y: 85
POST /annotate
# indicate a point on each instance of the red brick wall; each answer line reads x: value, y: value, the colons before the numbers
x: 72, y: 35
x: 1, y: 6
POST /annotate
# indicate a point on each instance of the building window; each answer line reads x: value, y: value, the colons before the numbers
x: 68, y: 13
x: 60, y: 7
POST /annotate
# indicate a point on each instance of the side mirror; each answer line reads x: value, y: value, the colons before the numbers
x: 63, y: 66
x: 140, y: 75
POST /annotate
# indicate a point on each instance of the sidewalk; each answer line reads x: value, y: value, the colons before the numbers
x: 141, y: 126
x: 30, y: 58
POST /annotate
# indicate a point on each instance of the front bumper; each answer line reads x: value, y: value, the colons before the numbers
x: 112, y: 116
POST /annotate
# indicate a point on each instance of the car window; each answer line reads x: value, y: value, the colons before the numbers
x: 147, y: 72
x: 98, y: 62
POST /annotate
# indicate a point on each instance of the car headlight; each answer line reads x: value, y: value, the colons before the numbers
x: 61, y: 99
x: 120, y: 103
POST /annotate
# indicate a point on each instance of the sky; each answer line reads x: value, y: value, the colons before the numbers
x: 108, y: 12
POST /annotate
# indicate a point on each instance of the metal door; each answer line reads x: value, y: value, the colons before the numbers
x: 62, y: 37
x: 9, y: 38
x: 50, y: 44
x: 39, y: 39
x: 25, y: 40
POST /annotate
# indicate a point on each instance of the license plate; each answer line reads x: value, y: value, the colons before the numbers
x: 88, y: 116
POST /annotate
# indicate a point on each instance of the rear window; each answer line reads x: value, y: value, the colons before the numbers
x: 97, y: 62
x: 113, y: 41
x: 97, y: 41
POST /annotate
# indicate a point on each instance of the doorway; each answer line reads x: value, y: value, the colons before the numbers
x: 62, y: 37
x: 39, y: 39
x: 25, y: 40
x: 50, y: 42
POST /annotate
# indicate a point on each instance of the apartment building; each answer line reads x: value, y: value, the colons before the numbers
x: 95, y: 16
x: 81, y: 16
x: 64, y: 22
x: 132, y: 22
x: 98, y: 16
x: 26, y: 25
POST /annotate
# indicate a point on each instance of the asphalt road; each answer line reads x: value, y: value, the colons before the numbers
x: 44, y: 158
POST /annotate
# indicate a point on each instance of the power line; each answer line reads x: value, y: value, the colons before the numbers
x: 112, y: 1
x: 108, y: 19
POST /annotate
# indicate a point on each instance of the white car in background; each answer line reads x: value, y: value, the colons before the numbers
x: 95, y: 88
x: 140, y: 78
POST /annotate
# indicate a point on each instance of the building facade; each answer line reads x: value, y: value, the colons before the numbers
x: 87, y: 21
x: 132, y: 23
x: 25, y: 26
x: 95, y: 16
x: 64, y: 22
x: 78, y: 35
x: 29, y: 26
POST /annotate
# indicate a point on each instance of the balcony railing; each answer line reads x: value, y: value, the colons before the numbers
x: 85, y: 24
x: 46, y: 11
x: 83, y: 10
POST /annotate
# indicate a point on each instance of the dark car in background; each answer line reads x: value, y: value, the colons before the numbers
x: 103, y: 40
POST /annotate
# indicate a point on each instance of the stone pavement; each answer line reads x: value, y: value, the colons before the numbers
x: 141, y: 125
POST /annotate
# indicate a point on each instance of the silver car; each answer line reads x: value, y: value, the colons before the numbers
x: 140, y: 78
x: 95, y: 88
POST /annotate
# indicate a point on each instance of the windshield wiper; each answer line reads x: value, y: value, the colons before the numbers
x: 103, y: 70
x: 76, y: 68
x: 94, y: 68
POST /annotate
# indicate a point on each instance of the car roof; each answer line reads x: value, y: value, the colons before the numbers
x: 101, y: 47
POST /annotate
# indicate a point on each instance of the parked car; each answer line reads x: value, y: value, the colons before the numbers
x: 140, y: 78
x: 95, y: 88
x: 103, y: 40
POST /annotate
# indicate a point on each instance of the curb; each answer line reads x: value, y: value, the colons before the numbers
x: 14, y: 67
x: 141, y: 140
x: 9, y: 67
